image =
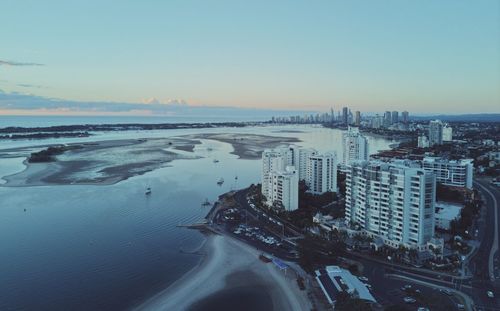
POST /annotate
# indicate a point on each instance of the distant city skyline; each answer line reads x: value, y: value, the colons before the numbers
x: 94, y: 58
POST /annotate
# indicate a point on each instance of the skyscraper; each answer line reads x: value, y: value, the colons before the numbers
x: 405, y: 116
x: 387, y: 119
x: 391, y: 201
x: 435, y: 133
x: 357, y: 119
x: 394, y: 117
x: 345, y: 115
x: 355, y: 146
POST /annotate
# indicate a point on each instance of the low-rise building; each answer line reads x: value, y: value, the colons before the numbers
x: 455, y: 173
x: 334, y: 280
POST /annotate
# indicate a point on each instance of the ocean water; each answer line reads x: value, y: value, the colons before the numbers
x: 111, y: 247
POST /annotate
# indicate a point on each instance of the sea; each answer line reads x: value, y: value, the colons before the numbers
x: 111, y: 247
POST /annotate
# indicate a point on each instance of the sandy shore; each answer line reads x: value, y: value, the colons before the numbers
x: 246, y: 146
x: 230, y: 264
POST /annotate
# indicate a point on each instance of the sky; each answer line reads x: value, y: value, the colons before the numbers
x: 423, y: 56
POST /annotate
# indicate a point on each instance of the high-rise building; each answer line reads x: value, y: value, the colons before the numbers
x: 357, y: 118
x: 406, y: 117
x: 447, y: 133
x: 345, y: 115
x: 355, y: 146
x: 272, y: 160
x: 394, y: 117
x: 423, y: 141
x: 322, y: 173
x: 391, y: 201
x: 435, y: 133
x: 284, y: 189
x: 456, y: 173
x: 377, y: 122
x: 387, y: 119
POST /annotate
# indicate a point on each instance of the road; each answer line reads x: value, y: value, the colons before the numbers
x: 484, y: 264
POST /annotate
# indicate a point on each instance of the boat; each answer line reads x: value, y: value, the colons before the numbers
x: 220, y: 182
x: 206, y: 203
x: 148, y: 191
x: 216, y: 161
x: 236, y: 177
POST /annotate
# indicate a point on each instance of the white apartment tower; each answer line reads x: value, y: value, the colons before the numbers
x: 321, y: 174
x: 456, y: 173
x: 392, y: 201
x: 355, y: 146
x: 447, y: 133
x: 284, y: 188
x: 272, y: 160
x: 435, y: 133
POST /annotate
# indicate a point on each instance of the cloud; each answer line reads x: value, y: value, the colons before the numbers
x: 31, y: 85
x: 29, y: 103
x: 171, y: 102
x: 11, y: 63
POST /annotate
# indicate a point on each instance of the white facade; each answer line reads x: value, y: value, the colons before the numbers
x: 392, y: 201
x: 355, y: 146
x: 321, y: 174
x: 457, y: 173
x: 423, y: 142
x: 447, y: 133
x: 435, y: 133
x: 284, y: 188
x: 273, y: 160
x: 302, y: 156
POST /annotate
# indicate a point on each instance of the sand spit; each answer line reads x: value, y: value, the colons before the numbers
x: 230, y: 264
x: 100, y: 163
x: 246, y: 146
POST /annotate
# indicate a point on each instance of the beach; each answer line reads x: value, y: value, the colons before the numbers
x: 229, y: 273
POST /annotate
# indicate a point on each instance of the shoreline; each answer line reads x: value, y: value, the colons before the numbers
x: 226, y: 257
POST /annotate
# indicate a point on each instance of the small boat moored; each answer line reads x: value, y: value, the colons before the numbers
x: 220, y: 182
x: 148, y: 191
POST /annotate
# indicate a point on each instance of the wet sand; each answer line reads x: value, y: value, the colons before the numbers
x: 111, y: 161
x: 247, y: 146
x: 100, y: 163
x: 231, y: 277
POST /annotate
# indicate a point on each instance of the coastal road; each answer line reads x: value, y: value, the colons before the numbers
x: 485, y: 262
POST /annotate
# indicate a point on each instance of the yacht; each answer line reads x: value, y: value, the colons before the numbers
x: 148, y: 191
x: 220, y: 182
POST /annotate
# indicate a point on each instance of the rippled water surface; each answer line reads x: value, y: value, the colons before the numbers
x: 110, y: 247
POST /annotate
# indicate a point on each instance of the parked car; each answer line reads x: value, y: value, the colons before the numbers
x: 409, y: 299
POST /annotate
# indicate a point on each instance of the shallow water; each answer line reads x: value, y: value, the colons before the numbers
x: 111, y: 247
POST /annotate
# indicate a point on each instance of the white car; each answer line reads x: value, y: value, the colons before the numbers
x: 490, y: 294
x: 363, y: 278
x: 409, y: 300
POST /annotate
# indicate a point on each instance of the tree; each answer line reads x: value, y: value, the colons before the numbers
x: 345, y: 302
